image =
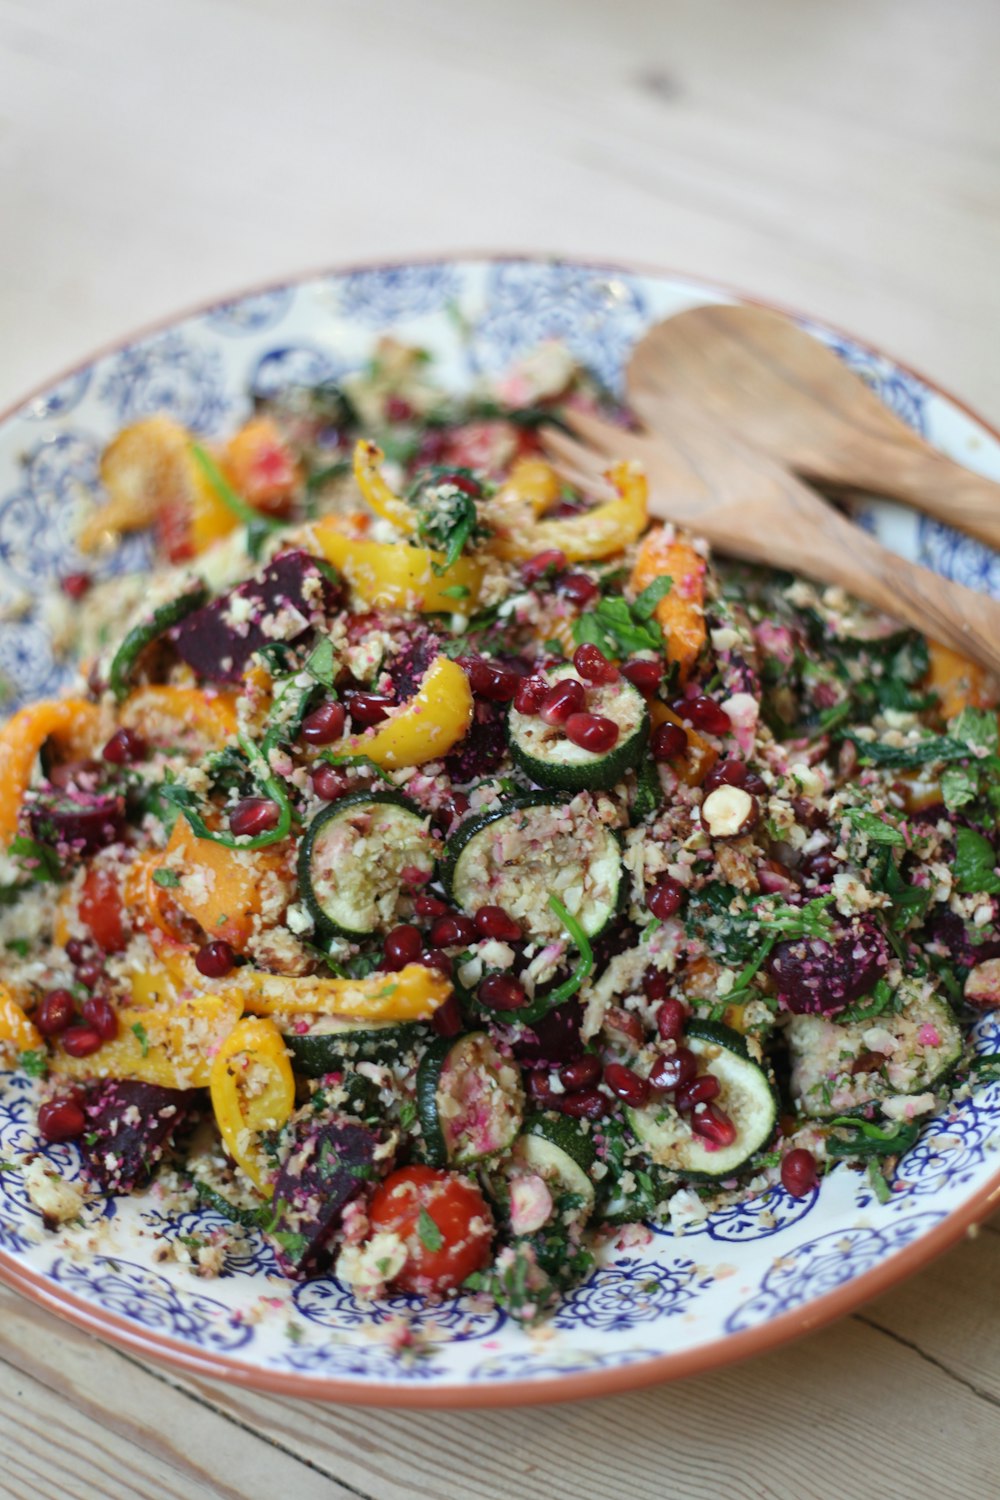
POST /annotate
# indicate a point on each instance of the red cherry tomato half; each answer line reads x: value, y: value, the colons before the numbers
x: 443, y: 1220
x: 102, y: 911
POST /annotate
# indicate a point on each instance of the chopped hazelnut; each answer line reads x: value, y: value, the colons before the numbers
x: 728, y: 811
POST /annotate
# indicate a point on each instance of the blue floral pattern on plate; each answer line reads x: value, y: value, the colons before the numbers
x: 385, y: 295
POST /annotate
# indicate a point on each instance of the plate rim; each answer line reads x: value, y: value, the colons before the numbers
x: 716, y: 1353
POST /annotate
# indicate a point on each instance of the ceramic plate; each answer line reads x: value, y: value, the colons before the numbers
x: 662, y: 1306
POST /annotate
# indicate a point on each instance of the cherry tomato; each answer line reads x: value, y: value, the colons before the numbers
x: 101, y: 909
x: 444, y: 1221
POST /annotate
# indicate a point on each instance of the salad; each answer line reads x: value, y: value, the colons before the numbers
x: 439, y: 870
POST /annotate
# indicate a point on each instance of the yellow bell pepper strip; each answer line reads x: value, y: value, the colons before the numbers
x: 368, y: 473
x: 681, y: 612
x: 172, y: 1042
x: 17, y: 1032
x: 393, y: 575
x: 212, y: 714
x: 23, y: 736
x: 227, y: 893
x: 253, y: 1090
x: 412, y: 994
x: 593, y: 534
x: 426, y: 727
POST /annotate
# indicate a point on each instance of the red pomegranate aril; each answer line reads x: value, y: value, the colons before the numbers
x: 398, y: 409
x: 567, y: 697
x: 655, y: 983
x: 325, y: 724
x: 449, y: 931
x: 644, y: 675
x: 704, y: 713
x: 329, y: 784
x: 215, y: 959
x: 586, y: 1104
x: 592, y: 732
x: 539, y: 1087
x: 666, y: 898
x: 502, y: 992
x: 670, y: 1019
x: 489, y: 679
x: 102, y: 1016
x: 435, y: 958
x: 734, y: 773
x: 699, y: 1091
x: 669, y: 742
x: 626, y: 1084
x: 591, y: 662
x: 81, y: 1041
x: 494, y: 922
x: 431, y: 907
x: 447, y: 1019
x: 402, y: 946
x: 530, y: 695
x: 75, y: 585
x: 123, y: 747
x: 90, y: 972
x: 581, y: 1073
x: 543, y: 565
x: 76, y: 951
x: 626, y: 1023
x: 367, y: 709
x: 578, y: 588
x: 61, y: 1120
x: 673, y: 1070
x: 798, y: 1172
x: 713, y: 1126
x: 55, y: 1012
x: 253, y: 816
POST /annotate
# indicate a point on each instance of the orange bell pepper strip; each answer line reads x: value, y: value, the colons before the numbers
x: 164, y: 1040
x: 17, y: 1032
x: 371, y: 482
x: 392, y: 575
x: 593, y: 534
x: 226, y: 896
x: 261, y: 467
x: 426, y: 727
x: 253, y: 1090
x: 212, y: 714
x: 694, y: 765
x: 681, y: 612
x: 412, y: 994
x: 23, y: 736
x: 958, y: 683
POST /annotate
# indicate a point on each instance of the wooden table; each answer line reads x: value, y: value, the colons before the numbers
x: 839, y: 156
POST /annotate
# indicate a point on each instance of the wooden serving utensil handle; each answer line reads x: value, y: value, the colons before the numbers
x: 936, y: 485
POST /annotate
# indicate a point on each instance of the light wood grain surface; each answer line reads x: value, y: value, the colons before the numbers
x: 843, y: 157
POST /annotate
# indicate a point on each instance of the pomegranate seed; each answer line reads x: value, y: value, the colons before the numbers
x: 447, y: 1019
x: 431, y: 906
x: 564, y: 508
x: 713, y: 1126
x: 733, y: 773
x: 81, y: 1041
x: 704, y: 713
x: 55, y: 1012
x: 502, y: 992
x: 591, y: 732
x: 494, y: 922
x: 538, y: 1087
x: 329, y: 784
x: 448, y: 932
x: 644, y: 675
x: 254, y: 815
x: 592, y: 663
x: 215, y: 959
x: 674, y: 1070
x: 367, y: 709
x: 655, y: 983
x: 666, y: 898
x: 402, y: 946
x: 455, y: 806
x: 543, y: 565
x: 579, y: 589
x: 102, y: 1016
x: 625, y: 1023
x: 587, y: 1104
x: 580, y: 1074
x: 669, y: 742
x: 76, y: 951
x: 61, y: 1120
x: 325, y: 724
x: 435, y: 958
x: 798, y: 1173
x: 530, y: 695
x: 90, y: 972
x: 490, y: 680
x: 465, y: 482
x: 698, y: 1091
x: 670, y: 1018
x: 75, y: 585
x: 626, y: 1084
x: 567, y: 697
x: 397, y: 409
x: 124, y: 746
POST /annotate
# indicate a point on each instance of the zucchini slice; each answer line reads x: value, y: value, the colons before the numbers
x: 746, y: 1096
x: 545, y: 754
x: 556, y: 1149
x: 909, y: 1051
x: 360, y: 860
x: 530, y: 847
x: 470, y: 1102
x: 334, y: 1043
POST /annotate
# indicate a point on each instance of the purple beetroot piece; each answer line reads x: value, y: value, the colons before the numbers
x: 410, y: 665
x: 327, y: 1166
x: 482, y: 749
x: 553, y: 1040
x: 129, y: 1126
x: 948, y: 931
x: 77, y: 822
x: 815, y: 977
x: 288, y: 598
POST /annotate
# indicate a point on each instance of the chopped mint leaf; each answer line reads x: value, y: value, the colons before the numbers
x: 139, y: 1032
x: 166, y: 878
x: 430, y: 1235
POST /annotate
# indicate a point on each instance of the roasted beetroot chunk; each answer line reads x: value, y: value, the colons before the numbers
x: 79, y: 822
x: 292, y: 594
x: 950, y: 933
x: 410, y: 666
x: 483, y: 747
x: 328, y: 1165
x: 553, y: 1040
x: 129, y: 1127
x: 815, y: 977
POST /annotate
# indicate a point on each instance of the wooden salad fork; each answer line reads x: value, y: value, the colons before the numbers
x: 702, y: 476
x: 787, y: 394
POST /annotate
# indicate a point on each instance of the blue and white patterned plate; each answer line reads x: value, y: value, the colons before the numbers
x: 661, y: 1304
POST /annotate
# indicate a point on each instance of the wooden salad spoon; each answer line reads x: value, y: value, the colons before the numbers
x: 784, y: 392
x: 702, y: 476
